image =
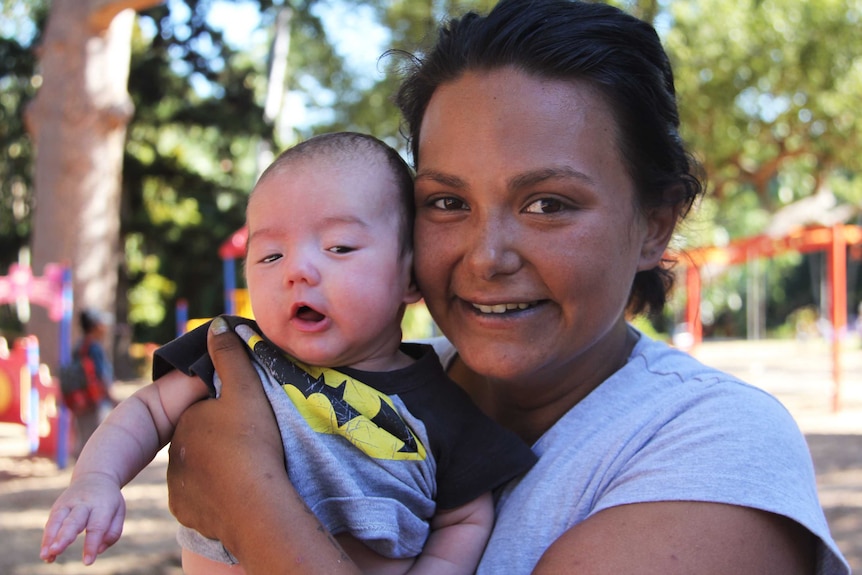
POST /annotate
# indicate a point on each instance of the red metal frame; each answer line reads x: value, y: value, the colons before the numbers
x: 834, y: 240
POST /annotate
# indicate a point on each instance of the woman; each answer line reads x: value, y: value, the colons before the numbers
x: 550, y: 178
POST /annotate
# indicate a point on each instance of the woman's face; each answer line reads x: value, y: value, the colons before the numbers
x: 528, y: 235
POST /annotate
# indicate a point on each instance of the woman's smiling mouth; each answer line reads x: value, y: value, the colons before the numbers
x: 503, y: 307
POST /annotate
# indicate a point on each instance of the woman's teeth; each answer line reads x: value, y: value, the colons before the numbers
x: 501, y: 307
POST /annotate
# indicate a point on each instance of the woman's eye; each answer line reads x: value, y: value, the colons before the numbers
x: 449, y: 204
x: 545, y: 206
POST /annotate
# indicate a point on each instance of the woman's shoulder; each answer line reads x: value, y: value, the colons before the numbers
x: 666, y: 370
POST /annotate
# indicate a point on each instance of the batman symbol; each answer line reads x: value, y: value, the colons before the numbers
x: 335, y: 403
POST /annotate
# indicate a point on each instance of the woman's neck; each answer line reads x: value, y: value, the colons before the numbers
x: 528, y: 408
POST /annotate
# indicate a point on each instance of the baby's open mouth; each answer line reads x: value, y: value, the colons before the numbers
x: 306, y: 313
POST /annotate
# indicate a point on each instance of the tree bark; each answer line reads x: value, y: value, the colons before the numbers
x: 78, y: 125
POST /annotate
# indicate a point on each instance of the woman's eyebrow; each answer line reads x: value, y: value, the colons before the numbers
x: 533, y: 177
x: 439, y: 177
x: 525, y: 179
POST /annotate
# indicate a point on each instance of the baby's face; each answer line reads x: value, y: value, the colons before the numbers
x: 326, y: 274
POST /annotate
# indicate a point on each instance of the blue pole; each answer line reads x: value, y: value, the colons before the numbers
x: 64, y: 420
x: 182, y: 316
x: 229, y: 270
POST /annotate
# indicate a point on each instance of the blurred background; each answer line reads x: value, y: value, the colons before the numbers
x: 131, y: 132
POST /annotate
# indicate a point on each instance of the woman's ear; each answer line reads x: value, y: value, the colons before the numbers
x: 661, y: 222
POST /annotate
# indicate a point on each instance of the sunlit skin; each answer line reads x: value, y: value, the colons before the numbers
x: 323, y: 236
x: 525, y: 251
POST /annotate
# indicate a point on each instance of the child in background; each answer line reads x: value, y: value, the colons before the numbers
x: 94, y: 327
x: 390, y: 454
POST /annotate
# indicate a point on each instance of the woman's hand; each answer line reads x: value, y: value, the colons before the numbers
x: 223, y: 448
x: 227, y: 480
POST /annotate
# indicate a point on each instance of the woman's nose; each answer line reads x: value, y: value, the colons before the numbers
x: 492, y: 249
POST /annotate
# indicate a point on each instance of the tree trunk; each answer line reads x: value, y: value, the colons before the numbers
x: 78, y: 124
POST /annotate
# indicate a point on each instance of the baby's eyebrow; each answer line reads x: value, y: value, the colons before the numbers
x: 344, y: 219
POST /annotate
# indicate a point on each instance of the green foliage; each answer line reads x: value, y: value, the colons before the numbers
x: 766, y: 85
x: 768, y: 92
x: 19, y: 31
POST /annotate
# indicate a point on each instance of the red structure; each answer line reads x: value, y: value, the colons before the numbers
x: 833, y: 240
x: 28, y: 393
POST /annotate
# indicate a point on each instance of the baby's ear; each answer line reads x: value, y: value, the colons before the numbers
x: 412, y: 293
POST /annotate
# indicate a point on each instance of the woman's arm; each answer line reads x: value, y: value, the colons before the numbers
x: 226, y: 475
x: 679, y: 537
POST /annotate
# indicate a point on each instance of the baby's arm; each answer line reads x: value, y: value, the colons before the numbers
x: 118, y: 450
x: 457, y: 539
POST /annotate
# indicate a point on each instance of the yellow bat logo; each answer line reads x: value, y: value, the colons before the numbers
x: 334, y: 403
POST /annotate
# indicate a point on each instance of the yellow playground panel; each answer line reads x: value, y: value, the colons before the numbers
x: 242, y: 305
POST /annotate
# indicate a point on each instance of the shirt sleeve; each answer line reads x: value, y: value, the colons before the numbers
x: 474, y: 454
x: 187, y: 353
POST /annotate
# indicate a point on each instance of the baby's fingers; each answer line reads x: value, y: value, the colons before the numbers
x: 63, y: 526
x: 101, y: 535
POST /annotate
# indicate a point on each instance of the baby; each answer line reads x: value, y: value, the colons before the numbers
x: 380, y: 444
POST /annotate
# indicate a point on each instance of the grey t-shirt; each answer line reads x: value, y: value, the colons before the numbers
x: 664, y: 427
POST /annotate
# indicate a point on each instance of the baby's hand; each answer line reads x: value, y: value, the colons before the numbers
x: 92, y: 502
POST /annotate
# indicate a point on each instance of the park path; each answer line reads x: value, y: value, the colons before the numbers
x: 798, y: 373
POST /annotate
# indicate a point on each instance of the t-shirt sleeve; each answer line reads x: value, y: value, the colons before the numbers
x: 188, y: 354
x: 720, y: 447
x: 475, y: 454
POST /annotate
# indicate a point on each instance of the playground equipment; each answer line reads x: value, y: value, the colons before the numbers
x: 28, y: 394
x: 236, y: 301
x: 834, y: 240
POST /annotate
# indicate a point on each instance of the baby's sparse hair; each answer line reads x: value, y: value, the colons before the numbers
x: 351, y: 145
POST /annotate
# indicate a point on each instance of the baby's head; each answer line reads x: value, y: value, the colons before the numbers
x: 381, y: 160
x: 329, y: 261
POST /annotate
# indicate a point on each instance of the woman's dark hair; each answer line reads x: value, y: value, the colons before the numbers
x: 617, y: 53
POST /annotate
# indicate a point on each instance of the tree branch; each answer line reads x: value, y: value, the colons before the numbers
x: 103, y: 11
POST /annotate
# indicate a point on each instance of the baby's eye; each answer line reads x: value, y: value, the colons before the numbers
x: 270, y: 258
x: 545, y: 206
x: 341, y: 249
x: 449, y: 203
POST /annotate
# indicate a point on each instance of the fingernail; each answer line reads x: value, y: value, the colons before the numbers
x: 218, y: 326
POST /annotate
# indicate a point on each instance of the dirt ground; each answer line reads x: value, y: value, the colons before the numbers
x: 800, y: 374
